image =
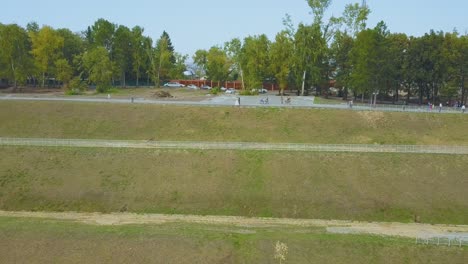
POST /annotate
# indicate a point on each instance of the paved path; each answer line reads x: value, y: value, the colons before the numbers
x: 145, y: 144
x: 412, y: 230
x: 246, y: 101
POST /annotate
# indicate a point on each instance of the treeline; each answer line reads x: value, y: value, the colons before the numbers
x: 360, y: 61
x: 104, y: 54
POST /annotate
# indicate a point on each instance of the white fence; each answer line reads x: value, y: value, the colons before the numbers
x: 427, y: 149
x: 448, y: 240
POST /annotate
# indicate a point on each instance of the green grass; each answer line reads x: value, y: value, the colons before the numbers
x: 323, y: 100
x: 380, y: 187
x: 53, y: 241
x: 119, y: 121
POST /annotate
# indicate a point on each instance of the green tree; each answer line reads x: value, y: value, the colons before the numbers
x: 201, y: 60
x: 217, y: 64
x: 364, y: 58
x: 179, y: 67
x: 170, y: 47
x: 102, y: 34
x: 161, y: 63
x: 73, y: 44
x: 280, y: 58
x: 63, y: 71
x: 47, y: 47
x: 138, y: 51
x: 341, y: 62
x: 233, y: 50
x: 457, y: 52
x: 122, y: 52
x: 309, y: 52
x: 98, y: 66
x: 15, y: 61
x: 255, y: 60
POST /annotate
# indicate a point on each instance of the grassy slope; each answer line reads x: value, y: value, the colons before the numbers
x: 383, y: 187
x: 46, y: 241
x: 117, y: 121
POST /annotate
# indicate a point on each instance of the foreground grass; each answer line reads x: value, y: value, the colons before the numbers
x: 120, y: 121
x: 51, y: 241
x: 380, y: 187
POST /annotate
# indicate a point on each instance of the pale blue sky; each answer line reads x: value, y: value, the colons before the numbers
x: 201, y: 24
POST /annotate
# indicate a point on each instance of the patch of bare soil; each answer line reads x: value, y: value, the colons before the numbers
x: 373, y: 118
x: 162, y: 94
x: 32, y: 90
x: 411, y: 230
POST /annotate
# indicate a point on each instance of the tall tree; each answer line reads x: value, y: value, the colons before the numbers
x: 138, y: 51
x: 98, y: 66
x: 255, y: 60
x: 102, y: 34
x: 73, y: 44
x: 201, y: 60
x: 281, y: 58
x: 63, y: 71
x: 233, y: 50
x: 170, y: 47
x: 122, y: 52
x: 162, y: 64
x: 217, y: 64
x: 47, y: 47
x: 179, y: 67
x: 15, y: 61
x: 309, y: 51
x: 341, y: 62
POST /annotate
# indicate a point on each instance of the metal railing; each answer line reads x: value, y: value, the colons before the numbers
x: 444, y: 240
x: 374, y: 148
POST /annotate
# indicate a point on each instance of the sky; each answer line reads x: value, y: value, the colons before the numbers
x: 201, y: 24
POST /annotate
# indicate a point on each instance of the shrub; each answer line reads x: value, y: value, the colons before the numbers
x: 215, y: 90
x: 76, y: 87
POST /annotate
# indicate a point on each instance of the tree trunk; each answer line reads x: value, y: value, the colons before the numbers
x: 137, y: 77
x: 14, y: 74
x: 242, y: 77
x: 463, y: 90
x: 408, y: 95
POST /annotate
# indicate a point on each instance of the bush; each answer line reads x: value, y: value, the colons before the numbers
x: 76, y: 87
x: 103, y: 88
x: 215, y: 90
x: 248, y: 92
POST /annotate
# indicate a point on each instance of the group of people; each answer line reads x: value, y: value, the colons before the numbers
x: 430, y: 106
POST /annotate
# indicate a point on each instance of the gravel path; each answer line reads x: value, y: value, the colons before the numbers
x: 411, y: 230
x: 51, y: 142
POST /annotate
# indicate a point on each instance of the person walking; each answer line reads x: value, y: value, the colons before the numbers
x: 463, y: 108
x: 440, y: 107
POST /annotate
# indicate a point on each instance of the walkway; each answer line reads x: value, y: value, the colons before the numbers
x: 144, y: 144
x: 412, y: 230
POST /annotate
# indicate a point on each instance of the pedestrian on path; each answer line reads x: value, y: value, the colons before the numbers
x: 440, y: 107
x: 108, y: 96
x: 463, y: 108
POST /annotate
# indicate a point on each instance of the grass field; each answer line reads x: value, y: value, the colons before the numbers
x: 52, y: 241
x: 118, y: 121
x: 354, y: 186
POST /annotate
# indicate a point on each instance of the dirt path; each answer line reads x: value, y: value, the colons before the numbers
x: 102, y: 143
x: 411, y: 230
